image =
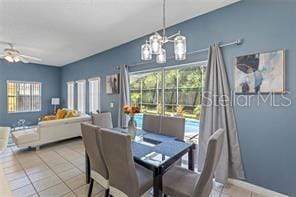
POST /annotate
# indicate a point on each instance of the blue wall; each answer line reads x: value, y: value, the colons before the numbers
x: 49, y: 77
x: 267, y: 134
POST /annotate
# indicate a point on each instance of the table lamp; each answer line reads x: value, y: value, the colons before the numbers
x: 55, y: 102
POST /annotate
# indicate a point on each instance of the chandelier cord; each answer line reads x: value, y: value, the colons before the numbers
x: 164, y: 19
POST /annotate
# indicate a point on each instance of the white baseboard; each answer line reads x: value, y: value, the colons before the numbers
x: 256, y: 189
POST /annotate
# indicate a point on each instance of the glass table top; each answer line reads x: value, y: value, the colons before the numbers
x: 155, y: 149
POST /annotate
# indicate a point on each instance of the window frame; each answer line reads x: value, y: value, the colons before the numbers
x: 73, y: 95
x: 83, y: 81
x: 89, y: 94
x: 25, y: 82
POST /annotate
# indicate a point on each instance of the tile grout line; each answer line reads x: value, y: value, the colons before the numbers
x: 46, y: 164
x: 27, y: 176
x: 73, y: 177
x: 57, y: 176
x: 75, y: 167
x: 69, y: 160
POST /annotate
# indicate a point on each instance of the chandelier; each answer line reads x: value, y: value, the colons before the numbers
x: 156, y: 42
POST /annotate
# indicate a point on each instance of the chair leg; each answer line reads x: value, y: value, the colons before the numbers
x: 90, y: 187
x: 107, y: 193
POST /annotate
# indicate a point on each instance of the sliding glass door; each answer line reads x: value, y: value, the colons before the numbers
x: 172, y: 91
x: 145, y: 91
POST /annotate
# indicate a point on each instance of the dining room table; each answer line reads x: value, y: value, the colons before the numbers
x: 156, y: 152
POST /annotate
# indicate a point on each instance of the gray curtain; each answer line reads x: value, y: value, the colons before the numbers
x: 124, y: 95
x: 217, y: 112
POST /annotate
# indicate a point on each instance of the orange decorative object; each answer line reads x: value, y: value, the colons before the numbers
x: 131, y: 110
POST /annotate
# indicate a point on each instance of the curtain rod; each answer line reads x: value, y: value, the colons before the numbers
x: 236, y: 42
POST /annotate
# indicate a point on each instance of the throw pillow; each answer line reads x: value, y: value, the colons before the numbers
x: 61, y: 113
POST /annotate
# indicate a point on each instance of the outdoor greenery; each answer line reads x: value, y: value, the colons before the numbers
x: 182, y: 93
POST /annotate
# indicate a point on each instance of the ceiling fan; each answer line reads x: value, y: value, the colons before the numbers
x: 12, y: 55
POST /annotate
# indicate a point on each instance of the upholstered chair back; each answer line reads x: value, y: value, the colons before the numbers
x: 204, y: 184
x: 103, y: 120
x: 119, y: 159
x: 173, y: 126
x: 91, y: 136
x: 151, y: 123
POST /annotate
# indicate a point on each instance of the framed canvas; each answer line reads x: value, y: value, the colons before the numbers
x: 260, y: 73
x: 112, y: 84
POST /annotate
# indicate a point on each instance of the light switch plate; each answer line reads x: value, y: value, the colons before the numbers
x: 111, y: 105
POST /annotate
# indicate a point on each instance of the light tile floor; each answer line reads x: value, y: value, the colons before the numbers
x: 58, y: 170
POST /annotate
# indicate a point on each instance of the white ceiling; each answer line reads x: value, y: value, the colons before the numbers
x: 64, y: 31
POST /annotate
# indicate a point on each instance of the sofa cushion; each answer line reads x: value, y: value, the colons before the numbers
x: 25, y: 136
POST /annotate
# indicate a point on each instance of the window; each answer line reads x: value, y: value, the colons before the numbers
x: 145, y: 90
x: 81, y: 94
x: 23, y: 96
x: 183, y: 91
x: 94, y: 94
x: 70, y: 95
x: 171, y: 91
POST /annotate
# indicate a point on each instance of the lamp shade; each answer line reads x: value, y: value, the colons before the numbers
x: 161, y: 57
x: 55, y: 101
x: 180, y: 48
x: 155, y: 42
x: 146, y: 52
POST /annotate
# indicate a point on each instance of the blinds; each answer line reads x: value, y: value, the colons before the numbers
x: 94, y: 95
x: 81, y: 95
x: 70, y: 95
x: 23, y: 96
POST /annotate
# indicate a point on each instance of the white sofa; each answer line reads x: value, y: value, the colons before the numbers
x: 4, y: 187
x: 4, y: 135
x: 50, y: 131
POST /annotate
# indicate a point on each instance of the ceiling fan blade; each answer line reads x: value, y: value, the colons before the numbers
x: 31, y: 58
x: 2, y: 42
x: 24, y: 60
